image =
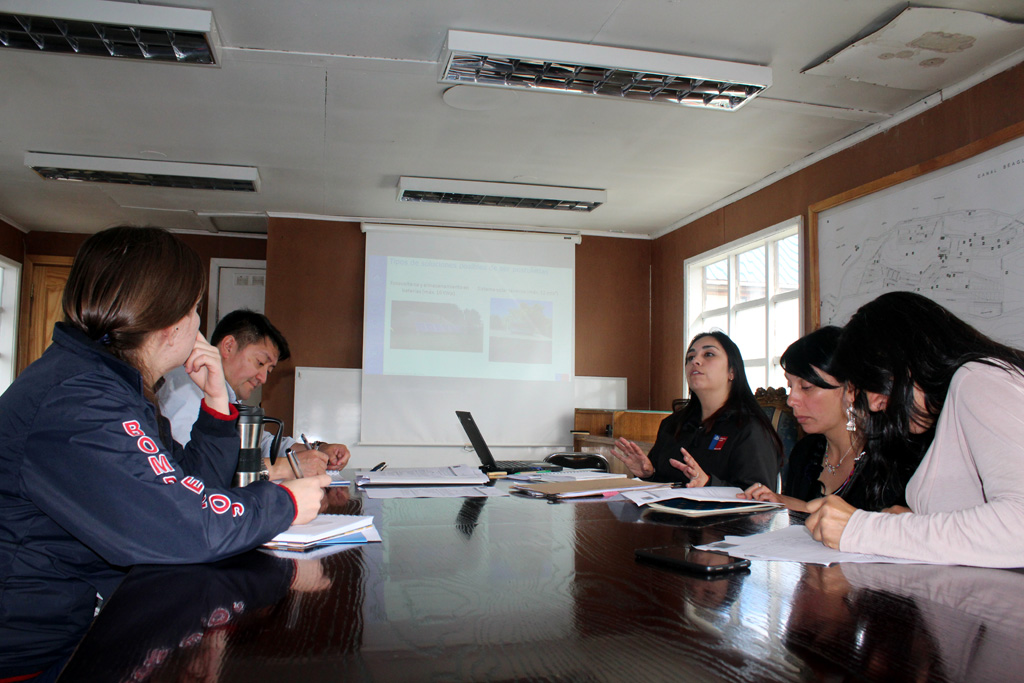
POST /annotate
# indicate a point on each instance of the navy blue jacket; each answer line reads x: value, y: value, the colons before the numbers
x: 88, y: 488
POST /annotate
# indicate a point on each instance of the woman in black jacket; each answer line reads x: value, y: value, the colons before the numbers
x: 722, y: 437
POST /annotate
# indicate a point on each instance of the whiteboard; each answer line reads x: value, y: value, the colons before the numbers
x: 600, y: 393
x: 955, y: 235
x: 327, y: 408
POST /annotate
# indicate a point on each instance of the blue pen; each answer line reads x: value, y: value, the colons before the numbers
x: 379, y: 467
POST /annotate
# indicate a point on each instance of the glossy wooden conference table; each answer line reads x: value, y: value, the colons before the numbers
x: 516, y: 589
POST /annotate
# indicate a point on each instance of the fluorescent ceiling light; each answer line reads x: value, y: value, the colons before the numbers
x: 500, y: 195
x: 144, y: 172
x: 109, y: 29
x: 554, y: 66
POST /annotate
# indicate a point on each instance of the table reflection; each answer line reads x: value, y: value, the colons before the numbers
x: 506, y: 589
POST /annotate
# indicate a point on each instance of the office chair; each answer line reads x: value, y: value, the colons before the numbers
x: 579, y: 461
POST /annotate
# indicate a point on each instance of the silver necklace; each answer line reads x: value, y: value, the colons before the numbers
x: 830, y: 468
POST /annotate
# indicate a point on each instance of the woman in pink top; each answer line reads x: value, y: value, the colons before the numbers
x: 929, y: 378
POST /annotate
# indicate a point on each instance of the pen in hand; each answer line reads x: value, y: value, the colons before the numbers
x: 305, y: 441
x: 294, y: 462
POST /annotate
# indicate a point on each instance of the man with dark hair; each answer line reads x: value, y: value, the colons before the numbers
x: 250, y: 347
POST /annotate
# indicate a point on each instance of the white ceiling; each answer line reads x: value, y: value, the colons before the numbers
x: 334, y: 100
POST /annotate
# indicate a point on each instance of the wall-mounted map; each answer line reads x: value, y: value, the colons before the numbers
x: 955, y: 235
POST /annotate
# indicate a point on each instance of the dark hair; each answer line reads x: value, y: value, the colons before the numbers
x: 813, y: 350
x: 250, y: 327
x: 128, y: 282
x: 901, y: 339
x: 740, y: 402
x: 883, y: 478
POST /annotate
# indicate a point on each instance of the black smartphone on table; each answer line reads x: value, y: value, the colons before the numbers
x: 689, y: 559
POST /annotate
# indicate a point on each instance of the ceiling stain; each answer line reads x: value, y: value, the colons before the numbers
x: 938, y: 41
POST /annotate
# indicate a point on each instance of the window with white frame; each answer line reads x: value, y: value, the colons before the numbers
x: 750, y: 289
x: 10, y: 279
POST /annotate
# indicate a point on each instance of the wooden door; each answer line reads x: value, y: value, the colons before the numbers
x: 43, y: 282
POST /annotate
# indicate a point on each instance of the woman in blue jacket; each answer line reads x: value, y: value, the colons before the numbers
x: 90, y: 480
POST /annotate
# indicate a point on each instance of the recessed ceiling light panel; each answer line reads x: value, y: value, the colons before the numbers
x: 109, y: 29
x: 144, y: 172
x: 499, y: 195
x: 554, y: 66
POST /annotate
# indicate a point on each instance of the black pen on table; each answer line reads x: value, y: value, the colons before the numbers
x: 379, y: 467
x: 294, y: 462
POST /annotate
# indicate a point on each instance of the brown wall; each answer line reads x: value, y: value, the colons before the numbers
x: 975, y: 114
x: 12, y: 242
x: 613, y: 314
x: 315, y: 297
x: 208, y: 247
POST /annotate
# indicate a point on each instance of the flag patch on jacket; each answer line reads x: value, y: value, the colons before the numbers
x: 717, y: 442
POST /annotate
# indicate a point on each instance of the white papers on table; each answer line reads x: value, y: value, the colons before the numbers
x: 793, y: 544
x: 720, y: 494
x: 699, y: 501
x: 324, y: 529
x: 574, y: 489
x: 334, y: 545
x: 337, y: 479
x: 422, y: 476
x: 435, y: 492
x: 564, y: 475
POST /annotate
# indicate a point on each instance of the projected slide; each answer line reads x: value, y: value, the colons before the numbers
x: 451, y: 318
x: 478, y: 320
x: 520, y: 331
x: 429, y: 326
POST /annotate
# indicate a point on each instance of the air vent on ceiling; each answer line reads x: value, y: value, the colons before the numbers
x: 250, y: 223
x: 109, y: 29
x: 500, y: 195
x: 554, y: 66
x: 144, y: 172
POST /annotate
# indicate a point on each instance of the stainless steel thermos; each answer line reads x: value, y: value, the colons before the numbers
x: 250, y: 433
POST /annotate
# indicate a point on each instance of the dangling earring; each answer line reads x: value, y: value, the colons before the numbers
x: 851, y: 422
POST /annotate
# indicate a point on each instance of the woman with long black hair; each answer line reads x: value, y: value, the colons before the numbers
x: 925, y: 374
x: 722, y: 437
x: 834, y: 458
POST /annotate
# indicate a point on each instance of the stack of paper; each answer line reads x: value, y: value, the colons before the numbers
x: 564, y: 475
x: 579, y: 489
x: 460, y: 475
x: 325, y: 530
x: 794, y: 544
x: 337, y: 479
x: 698, y: 502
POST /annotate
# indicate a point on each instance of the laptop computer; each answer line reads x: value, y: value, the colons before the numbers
x: 487, y: 461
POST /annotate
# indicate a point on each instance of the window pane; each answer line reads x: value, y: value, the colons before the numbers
x: 785, y: 325
x: 755, y: 374
x: 716, y: 285
x: 752, y: 282
x: 713, y: 322
x: 749, y: 333
x: 789, y: 264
